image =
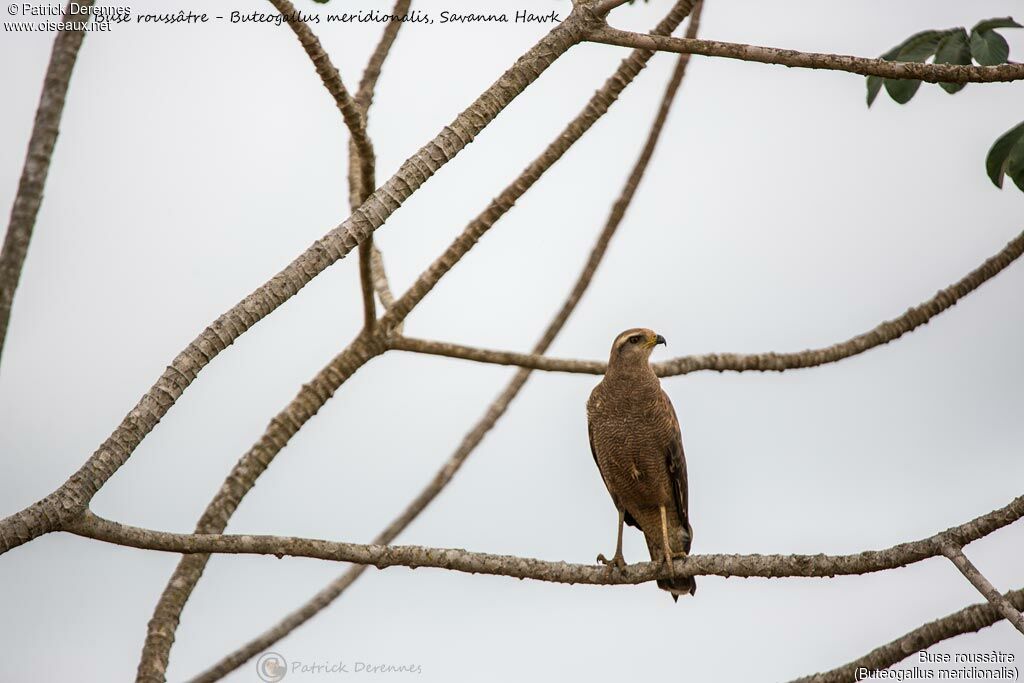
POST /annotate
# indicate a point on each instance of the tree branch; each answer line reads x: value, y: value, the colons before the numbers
x: 883, y: 333
x: 454, y: 559
x: 494, y: 412
x: 931, y: 73
x: 359, y: 141
x: 37, y: 163
x: 375, y: 273
x: 968, y: 620
x: 956, y: 555
x: 72, y: 497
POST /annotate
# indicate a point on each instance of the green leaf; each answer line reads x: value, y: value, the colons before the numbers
x: 1015, y: 164
x: 999, y: 155
x: 874, y: 86
x: 920, y: 46
x: 953, y: 49
x: 989, y: 24
x: 901, y: 90
x: 916, y: 48
x: 989, y: 48
x: 875, y: 82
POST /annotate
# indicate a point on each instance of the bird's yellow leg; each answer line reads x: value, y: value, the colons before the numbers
x: 664, y: 541
x: 618, y: 560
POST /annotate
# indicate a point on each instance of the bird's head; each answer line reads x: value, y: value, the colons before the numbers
x: 632, y: 348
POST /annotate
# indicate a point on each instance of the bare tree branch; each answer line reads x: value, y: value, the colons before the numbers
x: 380, y: 281
x: 883, y: 333
x: 72, y: 497
x: 968, y: 620
x: 37, y: 162
x: 359, y: 140
x: 493, y: 413
x: 956, y: 555
x: 931, y: 73
x: 454, y: 559
x: 605, y: 6
x: 368, y: 84
x: 357, y: 175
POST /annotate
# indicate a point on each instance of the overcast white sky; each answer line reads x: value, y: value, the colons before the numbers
x: 779, y: 213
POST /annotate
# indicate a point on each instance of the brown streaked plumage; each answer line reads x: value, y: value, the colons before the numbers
x: 638, y: 448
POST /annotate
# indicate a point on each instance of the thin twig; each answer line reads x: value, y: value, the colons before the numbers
x: 37, y: 162
x: 371, y: 268
x: 493, y: 413
x: 454, y: 559
x: 956, y: 555
x: 968, y: 620
x: 883, y: 333
x: 931, y: 73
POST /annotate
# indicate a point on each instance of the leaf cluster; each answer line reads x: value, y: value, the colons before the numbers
x: 983, y: 45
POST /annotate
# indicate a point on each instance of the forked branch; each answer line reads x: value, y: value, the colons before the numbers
x: 954, y: 551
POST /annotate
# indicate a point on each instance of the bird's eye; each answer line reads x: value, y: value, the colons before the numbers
x: 635, y: 339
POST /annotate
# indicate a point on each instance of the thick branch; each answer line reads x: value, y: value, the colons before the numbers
x: 381, y: 556
x: 932, y: 73
x: 884, y: 333
x: 968, y: 620
x: 493, y: 413
x: 72, y: 498
x: 956, y: 555
x: 37, y: 164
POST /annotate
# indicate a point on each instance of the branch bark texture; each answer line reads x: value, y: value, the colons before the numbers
x: 381, y: 556
x: 956, y: 555
x: 37, y: 163
x: 930, y: 73
x: 883, y: 333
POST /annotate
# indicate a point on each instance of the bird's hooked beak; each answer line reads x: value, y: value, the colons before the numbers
x: 654, y: 341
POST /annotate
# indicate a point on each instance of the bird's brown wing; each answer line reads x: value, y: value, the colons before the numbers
x: 629, y: 519
x: 675, y: 460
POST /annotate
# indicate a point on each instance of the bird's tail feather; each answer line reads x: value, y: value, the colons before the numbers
x: 683, y: 585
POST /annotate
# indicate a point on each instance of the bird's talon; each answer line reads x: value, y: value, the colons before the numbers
x: 617, y: 561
